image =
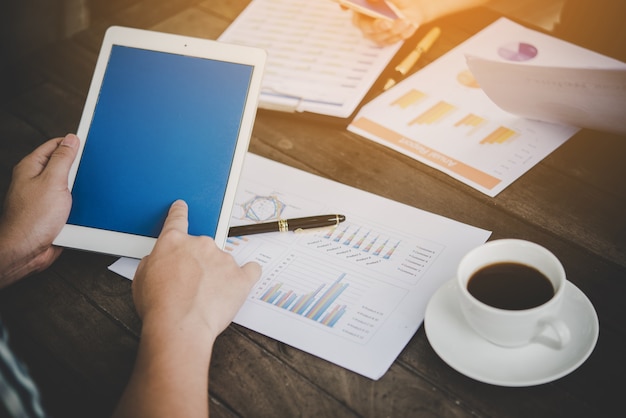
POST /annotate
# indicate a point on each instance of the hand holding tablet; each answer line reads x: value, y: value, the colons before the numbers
x: 167, y: 117
x: 379, y: 10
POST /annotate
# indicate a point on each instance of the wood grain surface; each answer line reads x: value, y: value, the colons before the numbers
x: 76, y: 327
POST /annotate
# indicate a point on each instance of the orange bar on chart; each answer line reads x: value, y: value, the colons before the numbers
x: 499, y: 136
x: 470, y: 120
x: 433, y: 114
x: 415, y: 149
x: 409, y: 98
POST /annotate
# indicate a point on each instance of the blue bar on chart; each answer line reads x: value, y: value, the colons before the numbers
x: 232, y: 243
x: 364, y: 240
x: 310, y: 305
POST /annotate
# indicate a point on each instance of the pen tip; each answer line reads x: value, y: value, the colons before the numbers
x: 389, y: 84
x: 341, y: 218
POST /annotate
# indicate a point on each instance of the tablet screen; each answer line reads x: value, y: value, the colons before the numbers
x: 164, y: 128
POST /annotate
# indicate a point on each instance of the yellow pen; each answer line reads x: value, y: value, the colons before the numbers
x: 409, y: 61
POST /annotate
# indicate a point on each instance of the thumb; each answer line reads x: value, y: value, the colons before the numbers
x: 62, y: 158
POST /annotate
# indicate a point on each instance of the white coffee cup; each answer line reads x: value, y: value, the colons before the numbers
x: 515, y: 327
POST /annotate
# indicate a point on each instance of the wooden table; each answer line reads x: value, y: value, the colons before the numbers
x: 76, y: 327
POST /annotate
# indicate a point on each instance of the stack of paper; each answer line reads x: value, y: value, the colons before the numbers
x: 317, y: 60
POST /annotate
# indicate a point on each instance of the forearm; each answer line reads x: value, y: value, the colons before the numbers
x: 186, y: 291
x: 171, y: 375
x: 11, y: 262
x: 17, y: 259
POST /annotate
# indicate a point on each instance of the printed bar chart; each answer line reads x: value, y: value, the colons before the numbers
x: 314, y: 305
x: 470, y: 120
x: 409, y: 98
x: 364, y: 240
x: 440, y: 115
x: 324, y: 302
x: 434, y: 114
x: 499, y: 136
x: 233, y: 242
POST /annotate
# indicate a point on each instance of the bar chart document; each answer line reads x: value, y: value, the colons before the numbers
x: 354, y: 294
x: 317, y: 60
x: 441, y: 117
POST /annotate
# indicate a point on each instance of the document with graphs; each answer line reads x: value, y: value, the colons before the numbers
x: 442, y: 117
x: 354, y: 294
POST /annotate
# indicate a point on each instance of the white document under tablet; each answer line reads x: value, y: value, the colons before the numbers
x: 167, y: 117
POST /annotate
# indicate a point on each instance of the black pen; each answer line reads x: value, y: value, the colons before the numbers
x: 284, y: 225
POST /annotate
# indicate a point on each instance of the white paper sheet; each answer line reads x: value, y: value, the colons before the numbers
x: 318, y: 61
x: 441, y: 117
x: 367, y: 281
x: 592, y: 98
x: 547, y: 79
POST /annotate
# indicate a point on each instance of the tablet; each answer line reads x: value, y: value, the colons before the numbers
x: 166, y: 117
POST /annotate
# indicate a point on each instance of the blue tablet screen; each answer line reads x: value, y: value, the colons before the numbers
x: 164, y: 128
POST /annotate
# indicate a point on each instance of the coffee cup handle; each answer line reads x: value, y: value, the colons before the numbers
x: 553, y: 333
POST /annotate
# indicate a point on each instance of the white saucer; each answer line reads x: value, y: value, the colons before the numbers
x: 459, y: 346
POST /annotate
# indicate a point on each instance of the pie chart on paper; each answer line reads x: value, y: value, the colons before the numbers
x: 518, y: 51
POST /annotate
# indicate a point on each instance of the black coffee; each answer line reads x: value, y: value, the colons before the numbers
x: 510, y: 286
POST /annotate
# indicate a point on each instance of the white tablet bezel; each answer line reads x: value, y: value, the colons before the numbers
x: 136, y: 246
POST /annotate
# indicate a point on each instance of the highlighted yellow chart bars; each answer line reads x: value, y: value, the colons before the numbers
x: 470, y: 120
x: 434, y: 114
x: 499, y: 136
x: 411, y: 97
